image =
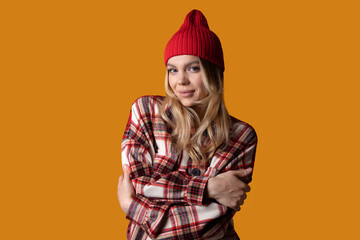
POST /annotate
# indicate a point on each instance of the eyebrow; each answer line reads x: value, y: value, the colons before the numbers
x: 186, y: 65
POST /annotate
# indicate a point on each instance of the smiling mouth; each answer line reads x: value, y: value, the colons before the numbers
x: 186, y: 93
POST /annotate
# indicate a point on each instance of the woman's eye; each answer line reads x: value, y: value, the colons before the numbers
x: 171, y: 70
x: 194, y: 69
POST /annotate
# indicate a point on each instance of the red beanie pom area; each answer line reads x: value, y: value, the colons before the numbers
x: 195, y: 38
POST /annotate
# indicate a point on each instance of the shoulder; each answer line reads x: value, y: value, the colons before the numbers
x: 149, y: 100
x: 241, y: 131
x: 149, y: 104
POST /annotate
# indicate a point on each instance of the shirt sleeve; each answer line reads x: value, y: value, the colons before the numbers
x: 243, y: 152
x: 239, y: 153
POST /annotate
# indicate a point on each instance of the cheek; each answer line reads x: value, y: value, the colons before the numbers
x: 199, y: 84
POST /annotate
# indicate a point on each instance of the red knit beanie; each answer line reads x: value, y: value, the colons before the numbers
x: 195, y: 38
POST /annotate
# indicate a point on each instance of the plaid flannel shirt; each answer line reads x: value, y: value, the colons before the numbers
x: 169, y: 201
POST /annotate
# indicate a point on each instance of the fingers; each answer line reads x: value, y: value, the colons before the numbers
x: 236, y: 208
x: 244, y: 197
x: 126, y: 176
x: 239, y: 203
x: 126, y: 170
x: 121, y: 178
x: 247, y: 188
x: 243, y: 172
x: 119, y: 185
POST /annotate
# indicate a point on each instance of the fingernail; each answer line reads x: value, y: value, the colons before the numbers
x: 125, y: 166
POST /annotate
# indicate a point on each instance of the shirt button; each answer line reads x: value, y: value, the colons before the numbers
x: 195, y: 172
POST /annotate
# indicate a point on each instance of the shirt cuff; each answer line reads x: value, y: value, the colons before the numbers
x: 195, y: 190
x: 147, y: 214
x: 138, y: 210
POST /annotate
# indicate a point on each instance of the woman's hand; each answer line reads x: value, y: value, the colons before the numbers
x: 126, y: 191
x: 227, y: 188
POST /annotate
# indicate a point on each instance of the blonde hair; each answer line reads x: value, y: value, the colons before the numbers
x: 199, y: 137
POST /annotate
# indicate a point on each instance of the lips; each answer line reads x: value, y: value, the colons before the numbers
x: 187, y: 93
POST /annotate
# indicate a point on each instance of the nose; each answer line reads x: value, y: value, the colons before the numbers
x: 183, y: 78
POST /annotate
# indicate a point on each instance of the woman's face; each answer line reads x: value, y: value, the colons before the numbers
x: 185, y: 79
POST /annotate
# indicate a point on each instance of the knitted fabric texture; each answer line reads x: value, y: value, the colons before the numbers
x: 195, y: 38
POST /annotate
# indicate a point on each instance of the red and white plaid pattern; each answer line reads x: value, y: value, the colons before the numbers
x: 169, y: 202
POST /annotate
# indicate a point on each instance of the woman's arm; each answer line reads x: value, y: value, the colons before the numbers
x: 226, y: 188
x: 149, y: 214
x: 126, y: 191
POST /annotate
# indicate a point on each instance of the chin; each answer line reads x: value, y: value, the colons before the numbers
x: 187, y: 103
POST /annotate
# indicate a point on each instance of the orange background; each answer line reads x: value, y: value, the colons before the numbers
x: 71, y: 69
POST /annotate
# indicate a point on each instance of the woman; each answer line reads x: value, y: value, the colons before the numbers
x: 187, y: 163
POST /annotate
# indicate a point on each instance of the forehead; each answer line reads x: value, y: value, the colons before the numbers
x: 182, y: 59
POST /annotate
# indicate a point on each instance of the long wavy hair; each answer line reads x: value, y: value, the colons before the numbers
x: 199, y: 137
